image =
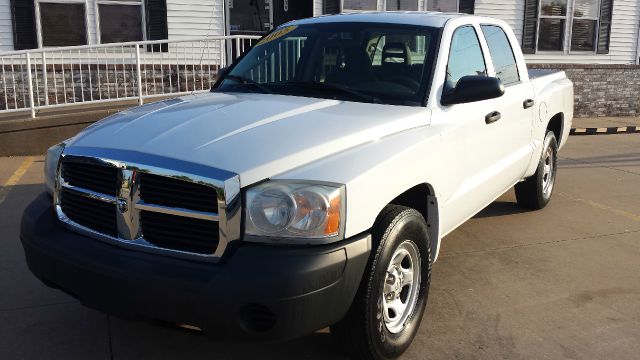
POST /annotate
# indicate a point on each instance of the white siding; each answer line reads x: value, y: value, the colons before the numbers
x: 317, y: 7
x: 6, y: 31
x: 195, y: 18
x: 624, y: 32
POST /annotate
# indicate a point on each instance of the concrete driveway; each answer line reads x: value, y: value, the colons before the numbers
x: 562, y: 283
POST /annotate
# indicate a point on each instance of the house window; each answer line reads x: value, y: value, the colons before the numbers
x: 406, y: 5
x: 331, y: 7
x: 461, y: 6
x: 45, y: 23
x: 553, y: 19
x: 573, y: 20
x: 360, y: 4
x: 585, y: 21
x: 62, y: 23
x: 120, y: 21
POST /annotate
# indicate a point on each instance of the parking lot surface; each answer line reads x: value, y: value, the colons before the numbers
x: 561, y: 283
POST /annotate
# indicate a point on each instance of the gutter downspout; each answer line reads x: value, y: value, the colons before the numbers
x: 226, y: 15
x: 638, y: 44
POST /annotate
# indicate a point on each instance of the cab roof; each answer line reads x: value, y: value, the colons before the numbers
x: 421, y: 18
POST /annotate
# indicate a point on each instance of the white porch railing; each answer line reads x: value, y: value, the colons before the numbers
x: 54, y: 77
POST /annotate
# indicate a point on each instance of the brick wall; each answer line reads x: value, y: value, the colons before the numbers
x: 602, y: 89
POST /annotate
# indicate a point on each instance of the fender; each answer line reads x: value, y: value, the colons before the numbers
x: 548, y: 107
x: 378, y: 172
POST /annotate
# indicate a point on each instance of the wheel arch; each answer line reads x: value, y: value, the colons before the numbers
x: 421, y: 197
x: 556, y: 124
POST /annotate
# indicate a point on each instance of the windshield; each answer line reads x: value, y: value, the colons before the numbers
x: 364, y: 62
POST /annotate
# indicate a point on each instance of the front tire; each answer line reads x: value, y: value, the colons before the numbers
x: 535, y: 192
x: 388, y: 308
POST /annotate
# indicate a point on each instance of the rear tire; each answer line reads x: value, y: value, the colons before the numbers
x: 388, y: 308
x: 535, y: 192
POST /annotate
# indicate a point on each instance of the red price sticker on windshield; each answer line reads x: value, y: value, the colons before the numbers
x: 277, y: 34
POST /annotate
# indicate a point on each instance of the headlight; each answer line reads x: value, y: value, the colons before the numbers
x: 51, y: 166
x: 294, y: 212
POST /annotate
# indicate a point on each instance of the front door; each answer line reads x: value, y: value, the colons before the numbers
x: 477, y: 140
x: 249, y: 17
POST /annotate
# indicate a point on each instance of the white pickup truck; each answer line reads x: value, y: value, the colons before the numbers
x: 310, y: 188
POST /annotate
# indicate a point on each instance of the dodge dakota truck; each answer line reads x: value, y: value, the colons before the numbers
x: 310, y: 188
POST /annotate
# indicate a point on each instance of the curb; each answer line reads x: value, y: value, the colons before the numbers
x: 605, y: 130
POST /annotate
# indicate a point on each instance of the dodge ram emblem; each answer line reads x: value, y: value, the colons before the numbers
x: 122, y: 205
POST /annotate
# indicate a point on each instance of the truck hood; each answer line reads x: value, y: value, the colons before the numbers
x: 254, y: 135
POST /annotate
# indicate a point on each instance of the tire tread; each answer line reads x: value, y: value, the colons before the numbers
x: 350, y: 334
x: 528, y: 193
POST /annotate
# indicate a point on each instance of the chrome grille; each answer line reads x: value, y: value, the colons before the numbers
x: 165, y: 191
x: 179, y: 233
x: 186, y: 211
x: 94, y: 214
x: 102, y: 179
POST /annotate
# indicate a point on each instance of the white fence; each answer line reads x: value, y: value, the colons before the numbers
x: 55, y: 77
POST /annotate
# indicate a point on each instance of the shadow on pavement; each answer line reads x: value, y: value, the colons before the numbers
x: 140, y: 340
x: 630, y: 159
x: 500, y: 208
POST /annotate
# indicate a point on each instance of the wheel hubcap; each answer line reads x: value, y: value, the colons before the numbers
x: 401, y: 286
x: 548, y: 172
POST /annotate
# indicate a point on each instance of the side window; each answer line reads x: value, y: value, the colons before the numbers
x: 375, y: 50
x: 501, y: 54
x: 465, y: 56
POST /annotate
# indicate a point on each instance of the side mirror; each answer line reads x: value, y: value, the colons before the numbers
x: 222, y: 72
x: 473, y: 88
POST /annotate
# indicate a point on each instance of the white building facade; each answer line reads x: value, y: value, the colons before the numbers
x: 557, y: 31
x: 49, y: 23
x: 597, y: 42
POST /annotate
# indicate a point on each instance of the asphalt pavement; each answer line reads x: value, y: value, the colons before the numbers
x: 561, y: 283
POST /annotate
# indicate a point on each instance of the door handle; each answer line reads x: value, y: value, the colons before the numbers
x: 528, y: 103
x: 492, y: 117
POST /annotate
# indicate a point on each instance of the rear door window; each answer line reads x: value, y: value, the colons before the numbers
x: 502, y: 55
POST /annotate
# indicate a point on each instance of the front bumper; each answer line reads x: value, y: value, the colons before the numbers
x: 261, y: 292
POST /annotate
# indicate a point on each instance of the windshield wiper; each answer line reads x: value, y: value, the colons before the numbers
x: 246, y: 81
x: 335, y: 87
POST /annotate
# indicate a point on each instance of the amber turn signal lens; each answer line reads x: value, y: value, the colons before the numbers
x: 333, y: 216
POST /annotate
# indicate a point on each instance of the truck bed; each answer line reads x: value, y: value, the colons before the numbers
x: 537, y: 73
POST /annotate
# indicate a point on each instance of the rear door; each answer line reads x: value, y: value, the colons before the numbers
x: 513, y: 130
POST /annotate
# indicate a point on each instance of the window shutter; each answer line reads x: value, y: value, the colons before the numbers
x: 331, y: 7
x: 604, y: 32
x: 24, y: 24
x: 156, y: 18
x: 529, y: 28
x: 467, y: 6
